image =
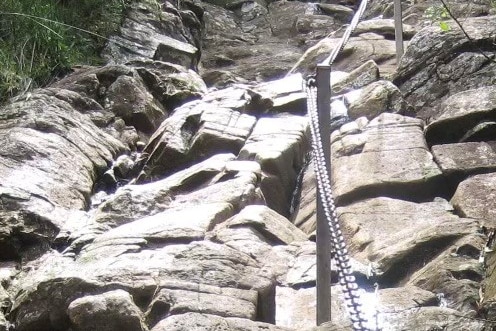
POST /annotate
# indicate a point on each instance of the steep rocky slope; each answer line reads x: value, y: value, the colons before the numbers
x: 171, y: 189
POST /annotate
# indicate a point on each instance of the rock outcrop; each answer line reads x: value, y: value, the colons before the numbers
x: 171, y: 189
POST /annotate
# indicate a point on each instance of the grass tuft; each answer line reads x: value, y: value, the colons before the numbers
x: 40, y: 40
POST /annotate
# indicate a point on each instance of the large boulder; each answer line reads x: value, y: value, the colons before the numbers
x: 51, y: 157
x: 377, y: 233
x: 389, y: 157
x: 159, y: 32
x: 361, y: 48
x: 402, y: 309
x: 279, y: 145
x: 438, y: 64
x: 474, y: 198
x: 50, y: 287
x: 204, y: 299
x: 466, y: 158
x: 459, y: 114
x: 206, y: 182
x: 456, y: 274
x: 376, y: 98
x: 109, y: 311
x: 198, y: 130
x: 142, y: 93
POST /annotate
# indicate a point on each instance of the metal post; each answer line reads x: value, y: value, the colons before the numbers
x: 398, y: 30
x: 323, y: 232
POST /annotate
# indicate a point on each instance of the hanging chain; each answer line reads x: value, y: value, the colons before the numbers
x: 346, y: 278
x: 347, y: 34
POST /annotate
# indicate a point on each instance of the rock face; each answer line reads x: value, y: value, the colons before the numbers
x: 437, y: 65
x: 171, y: 189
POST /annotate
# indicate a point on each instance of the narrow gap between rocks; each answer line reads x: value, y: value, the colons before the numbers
x: 450, y: 132
x: 413, y: 192
x: 266, y: 305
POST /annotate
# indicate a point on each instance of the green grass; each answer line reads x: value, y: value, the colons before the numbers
x: 41, y: 39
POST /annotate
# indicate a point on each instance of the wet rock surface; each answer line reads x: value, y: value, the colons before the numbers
x: 171, y: 189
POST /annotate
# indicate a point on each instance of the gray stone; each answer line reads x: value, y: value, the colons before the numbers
x: 481, y: 132
x: 386, y: 136
x: 205, y: 322
x: 459, y: 114
x: 487, y: 300
x: 390, y: 159
x: 201, y: 183
x: 401, y: 308
x: 278, y: 144
x: 155, y: 88
x: 170, y: 84
x: 384, y: 27
x: 123, y: 166
x: 5, y: 300
x: 8, y: 270
x: 365, y: 74
x: 404, y: 298
x: 432, y: 318
x: 455, y: 274
x: 376, y: 98
x: 376, y: 233
x: 285, y: 94
x: 466, y: 158
x: 152, y: 32
x: 475, y: 198
x: 237, y: 33
x: 367, y: 46
x: 274, y: 227
x: 204, y: 299
x: 50, y: 159
x: 4, y: 325
x: 173, y: 225
x: 172, y: 50
x: 222, y: 78
x: 205, y: 130
x: 304, y: 215
x: 414, y: 12
x: 429, y: 73
x: 302, y: 267
x: 129, y: 99
x: 244, y: 239
x: 109, y: 311
x: 295, y: 308
x: 342, y: 12
x: 135, y: 266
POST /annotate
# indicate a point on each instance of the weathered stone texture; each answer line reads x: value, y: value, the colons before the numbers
x: 475, y: 197
x: 437, y: 65
x: 133, y: 197
x: 391, y: 159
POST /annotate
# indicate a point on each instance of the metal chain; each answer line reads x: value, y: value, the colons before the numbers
x: 346, y: 36
x: 346, y: 279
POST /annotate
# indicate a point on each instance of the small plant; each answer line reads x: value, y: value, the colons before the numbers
x: 40, y: 40
x: 438, y: 14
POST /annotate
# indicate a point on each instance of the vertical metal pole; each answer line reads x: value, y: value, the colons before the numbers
x: 398, y: 30
x: 323, y: 232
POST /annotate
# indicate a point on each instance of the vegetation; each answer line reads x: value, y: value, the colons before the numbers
x: 438, y: 14
x: 40, y: 40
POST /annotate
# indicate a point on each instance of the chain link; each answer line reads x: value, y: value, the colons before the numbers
x: 346, y: 278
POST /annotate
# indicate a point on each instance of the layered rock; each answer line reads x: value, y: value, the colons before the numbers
x: 133, y: 197
x: 439, y: 64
